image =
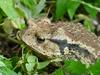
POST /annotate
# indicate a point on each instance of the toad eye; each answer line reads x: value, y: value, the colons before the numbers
x: 40, y: 40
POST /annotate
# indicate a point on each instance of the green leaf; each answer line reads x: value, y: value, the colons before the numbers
x: 59, y: 72
x: 8, y: 64
x: 88, y: 25
x: 2, y: 64
x: 60, y: 8
x: 2, y: 57
x: 32, y: 61
x: 72, y: 6
x: 29, y: 3
x: 75, y: 67
x: 19, y: 73
x: 22, y: 10
x: 29, y: 66
x: 33, y: 10
x: 7, y: 7
x: 92, y: 12
x: 97, y: 2
x: 95, y: 69
x: 2, y: 16
x: 1, y: 74
x: 15, y: 60
x: 5, y: 62
x: 7, y: 71
x: 42, y: 65
x: 39, y: 7
x: 7, y: 26
x: 21, y: 22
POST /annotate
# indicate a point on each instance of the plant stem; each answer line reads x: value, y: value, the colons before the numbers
x: 9, y: 38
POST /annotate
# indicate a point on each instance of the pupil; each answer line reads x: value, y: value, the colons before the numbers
x: 39, y: 40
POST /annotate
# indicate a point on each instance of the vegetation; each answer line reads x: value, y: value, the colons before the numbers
x: 17, y: 59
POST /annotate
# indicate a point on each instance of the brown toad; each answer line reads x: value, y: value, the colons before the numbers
x: 63, y: 40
